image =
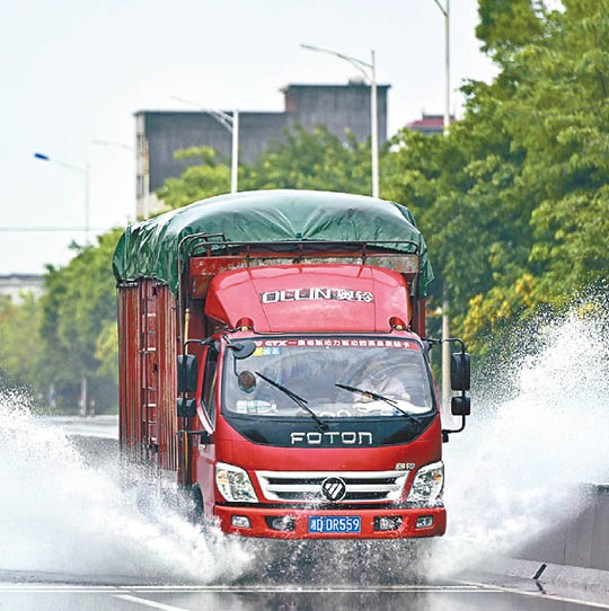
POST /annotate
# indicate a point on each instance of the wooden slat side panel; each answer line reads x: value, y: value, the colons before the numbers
x: 149, y: 322
x: 167, y: 378
x: 418, y: 316
x: 148, y: 373
x: 129, y: 370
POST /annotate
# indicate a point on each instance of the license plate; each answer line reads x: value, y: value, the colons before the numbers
x: 335, y: 524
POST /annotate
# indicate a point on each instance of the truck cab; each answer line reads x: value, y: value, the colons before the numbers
x: 318, y: 406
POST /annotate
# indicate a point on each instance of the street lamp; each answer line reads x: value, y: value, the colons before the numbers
x: 446, y: 12
x: 231, y: 123
x: 84, y: 174
x: 369, y: 72
x: 445, y: 9
x: 120, y: 145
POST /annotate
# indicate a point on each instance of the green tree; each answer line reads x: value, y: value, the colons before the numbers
x: 20, y: 341
x: 562, y: 118
x: 78, y: 308
x: 209, y: 177
x: 506, y: 26
x: 557, y: 114
x: 464, y: 193
x: 316, y: 160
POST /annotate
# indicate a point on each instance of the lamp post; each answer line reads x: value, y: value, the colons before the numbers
x: 83, y: 172
x: 120, y: 145
x: 445, y: 9
x: 231, y: 123
x: 368, y: 69
x: 446, y: 12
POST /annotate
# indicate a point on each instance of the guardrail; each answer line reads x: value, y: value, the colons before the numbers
x: 580, y: 541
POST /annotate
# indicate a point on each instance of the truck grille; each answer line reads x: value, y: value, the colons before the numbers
x: 306, y: 486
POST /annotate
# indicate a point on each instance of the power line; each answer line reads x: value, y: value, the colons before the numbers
x: 56, y: 229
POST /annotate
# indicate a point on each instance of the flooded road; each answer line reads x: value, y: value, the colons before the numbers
x: 74, y: 536
x: 456, y: 596
x: 175, y: 566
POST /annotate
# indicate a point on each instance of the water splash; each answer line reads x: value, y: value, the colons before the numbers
x: 61, y: 516
x: 518, y: 470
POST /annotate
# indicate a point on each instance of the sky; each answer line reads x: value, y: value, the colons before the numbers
x: 74, y: 72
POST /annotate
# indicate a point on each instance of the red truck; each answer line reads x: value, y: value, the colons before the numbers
x: 273, y: 363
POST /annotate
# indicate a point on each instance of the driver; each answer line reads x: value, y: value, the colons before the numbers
x: 384, y: 382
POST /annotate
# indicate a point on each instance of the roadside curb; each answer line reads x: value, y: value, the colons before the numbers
x: 547, y: 573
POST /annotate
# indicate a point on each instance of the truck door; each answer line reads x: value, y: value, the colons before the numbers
x: 205, y: 449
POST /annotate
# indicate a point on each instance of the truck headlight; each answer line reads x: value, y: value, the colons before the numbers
x: 427, y: 487
x: 234, y: 484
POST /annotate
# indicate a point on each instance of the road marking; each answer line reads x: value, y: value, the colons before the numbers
x: 148, y: 603
x: 253, y: 589
x: 47, y: 589
x: 262, y: 589
x: 545, y: 595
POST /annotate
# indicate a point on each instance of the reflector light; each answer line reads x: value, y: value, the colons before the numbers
x: 240, y: 521
x: 424, y: 522
x: 397, y: 323
x: 245, y: 324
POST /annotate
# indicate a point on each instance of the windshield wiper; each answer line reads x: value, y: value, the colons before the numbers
x: 302, y: 403
x: 373, y: 395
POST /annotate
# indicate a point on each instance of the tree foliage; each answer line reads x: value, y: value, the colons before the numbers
x: 20, y: 342
x: 211, y: 176
x: 78, y: 307
x: 507, y: 26
x: 514, y: 202
x: 316, y: 160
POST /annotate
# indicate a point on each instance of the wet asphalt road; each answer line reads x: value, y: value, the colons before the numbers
x: 455, y: 596
x: 473, y: 591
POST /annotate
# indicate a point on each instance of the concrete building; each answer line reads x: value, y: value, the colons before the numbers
x: 15, y: 286
x: 429, y: 125
x: 159, y: 134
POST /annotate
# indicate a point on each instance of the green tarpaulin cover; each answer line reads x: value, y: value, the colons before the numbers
x: 150, y: 248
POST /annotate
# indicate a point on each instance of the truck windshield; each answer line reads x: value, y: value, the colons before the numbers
x: 336, y: 377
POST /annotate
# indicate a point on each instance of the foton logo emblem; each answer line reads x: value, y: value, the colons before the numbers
x: 334, y: 489
x: 313, y: 438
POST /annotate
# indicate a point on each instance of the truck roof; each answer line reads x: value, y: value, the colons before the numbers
x: 150, y: 249
x: 318, y: 298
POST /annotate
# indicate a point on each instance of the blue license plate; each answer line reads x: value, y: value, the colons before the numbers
x: 335, y: 524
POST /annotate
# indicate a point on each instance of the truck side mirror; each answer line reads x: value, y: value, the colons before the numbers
x: 186, y: 408
x: 460, y: 406
x: 460, y: 371
x: 187, y: 373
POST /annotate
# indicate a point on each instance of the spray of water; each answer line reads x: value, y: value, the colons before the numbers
x: 63, y: 517
x: 515, y: 472
x: 518, y: 470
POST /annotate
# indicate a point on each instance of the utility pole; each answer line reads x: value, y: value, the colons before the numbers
x: 446, y: 391
x: 231, y: 123
x: 83, y: 172
x: 369, y: 72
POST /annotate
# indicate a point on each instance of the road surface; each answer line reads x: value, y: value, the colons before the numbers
x: 302, y: 586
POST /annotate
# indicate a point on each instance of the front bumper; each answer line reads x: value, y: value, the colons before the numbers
x: 260, y: 518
